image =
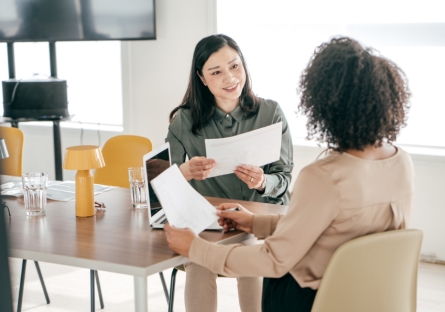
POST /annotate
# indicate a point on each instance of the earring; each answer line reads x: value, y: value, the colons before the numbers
x: 204, y: 84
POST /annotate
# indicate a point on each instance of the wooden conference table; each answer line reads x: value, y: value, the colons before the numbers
x: 118, y: 240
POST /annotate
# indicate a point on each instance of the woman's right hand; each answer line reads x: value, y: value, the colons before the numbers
x: 241, y: 220
x: 197, y: 168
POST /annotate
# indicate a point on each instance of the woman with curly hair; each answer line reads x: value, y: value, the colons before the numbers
x: 356, y: 102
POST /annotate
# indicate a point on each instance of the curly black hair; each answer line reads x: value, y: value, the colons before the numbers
x: 352, y: 97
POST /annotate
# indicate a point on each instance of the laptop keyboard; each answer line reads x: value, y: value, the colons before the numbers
x: 162, y: 219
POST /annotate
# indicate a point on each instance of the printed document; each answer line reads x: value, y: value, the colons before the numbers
x: 61, y: 191
x: 182, y: 204
x: 256, y: 148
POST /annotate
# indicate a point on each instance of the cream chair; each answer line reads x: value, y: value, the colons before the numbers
x: 373, y: 273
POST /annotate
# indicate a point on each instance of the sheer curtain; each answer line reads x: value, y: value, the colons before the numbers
x: 278, y: 38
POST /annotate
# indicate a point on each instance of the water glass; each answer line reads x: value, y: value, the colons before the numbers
x: 137, y: 185
x: 34, y: 189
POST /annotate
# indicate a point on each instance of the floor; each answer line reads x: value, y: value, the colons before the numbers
x: 69, y: 290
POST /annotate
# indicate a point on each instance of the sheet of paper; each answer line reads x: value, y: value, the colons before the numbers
x: 256, y: 148
x: 182, y: 204
x: 61, y: 191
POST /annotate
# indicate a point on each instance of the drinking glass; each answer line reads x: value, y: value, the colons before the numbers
x: 34, y: 189
x: 137, y: 185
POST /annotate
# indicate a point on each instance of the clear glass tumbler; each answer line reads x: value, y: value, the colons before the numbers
x: 137, y: 185
x: 34, y: 189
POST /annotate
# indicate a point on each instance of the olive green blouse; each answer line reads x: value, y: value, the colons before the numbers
x: 278, y: 174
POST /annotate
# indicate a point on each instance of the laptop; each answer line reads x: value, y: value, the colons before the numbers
x: 156, y: 162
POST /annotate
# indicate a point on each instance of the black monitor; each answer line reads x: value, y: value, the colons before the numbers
x: 74, y: 20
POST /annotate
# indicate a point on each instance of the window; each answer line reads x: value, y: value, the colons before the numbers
x: 278, y: 38
x: 92, y: 70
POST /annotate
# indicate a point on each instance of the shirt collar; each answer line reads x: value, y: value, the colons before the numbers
x: 237, y: 114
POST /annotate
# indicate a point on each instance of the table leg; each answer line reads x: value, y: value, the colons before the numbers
x: 57, y: 150
x: 99, y: 290
x: 41, y: 281
x: 140, y: 294
x: 93, y: 300
x: 22, y: 285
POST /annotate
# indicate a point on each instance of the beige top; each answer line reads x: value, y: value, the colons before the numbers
x: 334, y: 200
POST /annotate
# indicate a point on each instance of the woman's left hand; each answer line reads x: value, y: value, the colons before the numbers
x: 179, y: 240
x: 251, y: 175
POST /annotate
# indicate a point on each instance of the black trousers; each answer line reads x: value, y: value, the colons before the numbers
x: 285, y: 295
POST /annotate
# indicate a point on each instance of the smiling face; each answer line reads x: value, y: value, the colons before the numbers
x: 224, y: 75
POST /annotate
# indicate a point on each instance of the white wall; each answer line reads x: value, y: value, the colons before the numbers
x: 155, y: 75
x: 38, y: 153
x: 159, y: 70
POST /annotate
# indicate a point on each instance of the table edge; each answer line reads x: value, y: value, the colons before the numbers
x: 113, y: 267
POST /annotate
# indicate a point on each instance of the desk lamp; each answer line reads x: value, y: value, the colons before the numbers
x: 84, y: 158
x: 3, y: 149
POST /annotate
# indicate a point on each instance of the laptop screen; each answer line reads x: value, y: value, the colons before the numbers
x: 155, y: 166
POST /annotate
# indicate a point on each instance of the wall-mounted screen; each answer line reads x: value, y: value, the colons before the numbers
x: 73, y: 20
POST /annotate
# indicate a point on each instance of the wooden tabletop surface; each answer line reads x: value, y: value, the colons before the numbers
x: 120, y: 235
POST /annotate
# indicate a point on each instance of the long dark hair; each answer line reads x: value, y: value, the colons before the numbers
x: 198, y: 97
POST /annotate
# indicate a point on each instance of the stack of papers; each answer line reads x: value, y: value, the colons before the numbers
x: 12, y: 189
x: 65, y: 191
x: 182, y: 204
x: 256, y: 148
x: 61, y: 191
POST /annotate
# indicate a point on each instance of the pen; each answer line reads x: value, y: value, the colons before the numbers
x: 232, y: 209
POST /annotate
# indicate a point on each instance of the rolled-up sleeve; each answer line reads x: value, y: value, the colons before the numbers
x: 279, y: 174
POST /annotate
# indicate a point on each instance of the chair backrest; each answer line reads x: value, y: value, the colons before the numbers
x: 377, y: 272
x: 14, y: 139
x: 120, y: 153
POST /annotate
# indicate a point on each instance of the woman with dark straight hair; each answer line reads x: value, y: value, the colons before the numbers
x: 356, y: 102
x: 219, y: 103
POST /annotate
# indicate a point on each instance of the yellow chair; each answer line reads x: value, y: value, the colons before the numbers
x: 120, y: 153
x: 14, y: 143
x: 372, y: 273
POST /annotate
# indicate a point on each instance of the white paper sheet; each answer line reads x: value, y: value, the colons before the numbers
x: 61, y: 191
x: 256, y: 148
x: 182, y: 204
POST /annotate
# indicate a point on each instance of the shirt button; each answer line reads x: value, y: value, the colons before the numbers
x: 227, y: 115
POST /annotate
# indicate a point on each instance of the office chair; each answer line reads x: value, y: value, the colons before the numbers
x: 12, y: 166
x: 377, y: 272
x: 120, y: 153
x: 14, y: 139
